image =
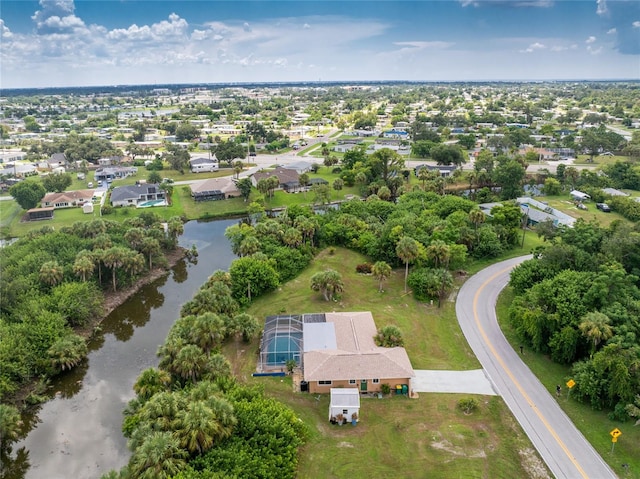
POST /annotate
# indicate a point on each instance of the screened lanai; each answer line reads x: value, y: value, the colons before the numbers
x: 282, y: 340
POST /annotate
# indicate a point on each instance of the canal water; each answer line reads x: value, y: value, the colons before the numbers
x: 77, y: 434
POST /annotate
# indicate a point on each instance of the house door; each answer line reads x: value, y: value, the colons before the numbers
x: 363, y: 385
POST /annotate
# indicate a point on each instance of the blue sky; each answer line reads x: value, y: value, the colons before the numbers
x: 93, y: 42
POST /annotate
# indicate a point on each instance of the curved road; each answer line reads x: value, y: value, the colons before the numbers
x: 564, y: 449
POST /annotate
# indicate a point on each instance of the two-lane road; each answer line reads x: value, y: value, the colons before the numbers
x: 565, y: 450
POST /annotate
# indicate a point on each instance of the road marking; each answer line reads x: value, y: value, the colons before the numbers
x: 512, y: 377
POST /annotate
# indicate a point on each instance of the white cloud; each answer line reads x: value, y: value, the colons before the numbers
x: 175, y: 27
x: 4, y: 30
x: 636, y: 24
x: 533, y: 47
x: 306, y: 26
x: 611, y: 31
x: 508, y: 3
x: 422, y: 45
x: 594, y: 51
x: 56, y: 16
x: 602, y: 8
x: 589, y: 40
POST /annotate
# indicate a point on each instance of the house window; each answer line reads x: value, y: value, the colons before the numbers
x: 324, y: 383
x: 345, y: 411
x: 376, y: 381
x: 352, y: 381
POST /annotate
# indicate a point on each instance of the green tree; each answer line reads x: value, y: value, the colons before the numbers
x: 596, y: 327
x: 509, y: 175
x: 407, y: 250
x: 67, y: 352
x: 57, y: 182
x: 154, y: 177
x: 114, y: 258
x: 251, y: 277
x: 27, y: 193
x: 552, y: 187
x: 51, y: 273
x: 338, y: 184
x: 158, y: 457
x: 389, y: 336
x: 439, y: 252
x: 244, y: 186
x: 447, y: 155
x: 381, y: 271
x: 83, y: 266
x: 151, y: 381
x: 328, y: 282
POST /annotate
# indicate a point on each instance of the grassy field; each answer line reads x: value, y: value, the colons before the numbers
x: 423, y: 437
x: 594, y: 425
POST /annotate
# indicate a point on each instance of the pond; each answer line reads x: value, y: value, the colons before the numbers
x: 77, y: 434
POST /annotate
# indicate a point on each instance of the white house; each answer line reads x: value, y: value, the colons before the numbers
x: 345, y: 401
x: 203, y: 164
x: 579, y: 195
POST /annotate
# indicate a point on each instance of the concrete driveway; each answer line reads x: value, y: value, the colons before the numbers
x: 469, y: 382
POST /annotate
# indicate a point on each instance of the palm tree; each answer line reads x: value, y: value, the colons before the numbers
x: 306, y: 226
x: 596, y: 326
x: 381, y: 271
x: 439, y: 252
x: 133, y: 262
x: 51, y: 273
x: 197, y: 427
x: 217, y: 367
x: 150, y: 382
x: 67, y: 352
x: 150, y: 247
x: 134, y: 237
x: 158, y: 457
x: 423, y: 175
x: 249, y: 245
x: 207, y: 331
x: 328, y: 282
x: 159, y: 413
x: 114, y: 258
x: 245, y: 325
x: 175, y: 227
x: 303, y: 179
x: 476, y: 217
x: 292, y: 237
x: 83, y: 266
x: 102, y: 241
x: 237, y: 168
x: 189, y: 363
x: 407, y: 250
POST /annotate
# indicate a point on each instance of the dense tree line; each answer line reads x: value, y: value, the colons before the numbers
x: 53, y: 282
x: 578, y: 301
x: 191, y: 419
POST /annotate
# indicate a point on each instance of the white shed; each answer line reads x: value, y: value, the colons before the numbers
x: 345, y: 401
x: 87, y: 207
x: 579, y: 195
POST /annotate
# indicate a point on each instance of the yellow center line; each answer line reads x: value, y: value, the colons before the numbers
x: 513, y: 378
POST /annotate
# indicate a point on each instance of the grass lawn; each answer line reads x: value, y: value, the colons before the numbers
x: 594, y: 425
x: 599, y: 160
x: 423, y: 437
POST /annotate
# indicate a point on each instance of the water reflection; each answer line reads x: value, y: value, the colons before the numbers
x: 77, y: 434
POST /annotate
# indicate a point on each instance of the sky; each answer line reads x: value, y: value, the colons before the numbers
x: 51, y: 43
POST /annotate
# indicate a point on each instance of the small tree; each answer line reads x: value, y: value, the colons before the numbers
x: 27, y: 193
x: 328, y: 282
x: 468, y: 405
x: 389, y: 337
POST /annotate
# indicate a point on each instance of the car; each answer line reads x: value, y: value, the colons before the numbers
x: 581, y: 206
x: 252, y: 153
x: 603, y: 207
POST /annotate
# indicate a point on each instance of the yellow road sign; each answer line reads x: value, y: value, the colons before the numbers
x: 615, y: 433
x: 614, y: 439
x: 571, y: 383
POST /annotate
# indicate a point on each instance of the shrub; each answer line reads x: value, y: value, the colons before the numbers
x: 364, y: 268
x: 389, y: 337
x: 385, y: 388
x: 468, y: 405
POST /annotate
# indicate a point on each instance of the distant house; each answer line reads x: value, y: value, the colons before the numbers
x: 396, y: 134
x: 285, y: 176
x: 56, y: 160
x: 300, y: 166
x: 613, y: 192
x: 215, y: 189
x: 343, y: 148
x: 137, y: 195
x: 204, y: 164
x: 110, y: 173
x: 67, y: 199
x: 444, y: 170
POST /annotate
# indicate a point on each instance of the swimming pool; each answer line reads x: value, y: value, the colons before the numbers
x: 150, y: 203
